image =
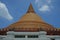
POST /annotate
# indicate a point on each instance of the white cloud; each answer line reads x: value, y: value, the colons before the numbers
x: 36, y: 1
x: 44, y: 8
x: 4, y: 12
x: 49, y: 1
x: 44, y: 5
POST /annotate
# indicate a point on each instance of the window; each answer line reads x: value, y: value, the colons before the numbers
x: 52, y: 39
x: 19, y: 36
x: 32, y: 36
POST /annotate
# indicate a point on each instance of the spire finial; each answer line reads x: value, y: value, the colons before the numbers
x: 30, y: 9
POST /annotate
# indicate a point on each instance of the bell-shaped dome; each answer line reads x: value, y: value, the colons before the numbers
x: 30, y: 22
x: 31, y: 15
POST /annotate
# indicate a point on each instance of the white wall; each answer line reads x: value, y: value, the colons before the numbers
x: 42, y: 36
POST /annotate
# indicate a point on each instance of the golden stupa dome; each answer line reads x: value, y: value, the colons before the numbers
x: 31, y: 15
x: 30, y: 22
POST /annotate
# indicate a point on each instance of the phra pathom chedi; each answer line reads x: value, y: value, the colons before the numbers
x: 30, y: 27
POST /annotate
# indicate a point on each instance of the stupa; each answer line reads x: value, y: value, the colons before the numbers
x: 31, y: 22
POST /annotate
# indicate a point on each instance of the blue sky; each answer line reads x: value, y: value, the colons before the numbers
x: 49, y: 10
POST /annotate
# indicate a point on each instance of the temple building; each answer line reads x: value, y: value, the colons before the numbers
x: 30, y: 27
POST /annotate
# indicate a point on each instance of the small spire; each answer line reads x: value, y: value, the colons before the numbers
x: 30, y: 9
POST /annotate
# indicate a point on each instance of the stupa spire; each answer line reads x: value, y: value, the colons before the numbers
x: 30, y: 9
